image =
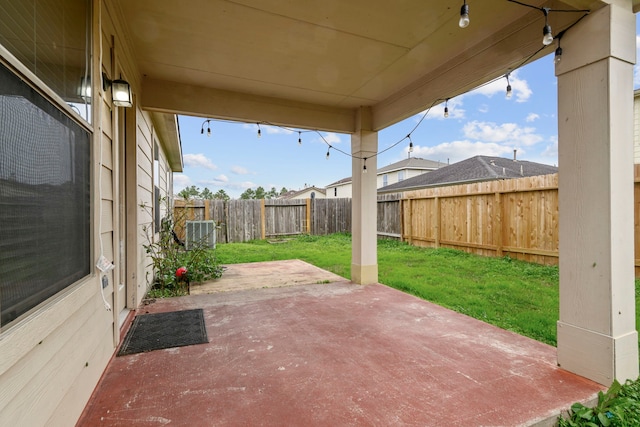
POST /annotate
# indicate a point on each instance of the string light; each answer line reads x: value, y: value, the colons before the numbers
x: 465, y: 8
x: 547, y: 37
x: 547, y: 34
x: 208, y: 122
x: 464, y: 15
x: 558, y: 56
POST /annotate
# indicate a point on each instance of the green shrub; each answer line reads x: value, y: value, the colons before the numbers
x: 618, y: 407
x: 167, y: 254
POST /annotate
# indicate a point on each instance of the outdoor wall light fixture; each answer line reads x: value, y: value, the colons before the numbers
x: 464, y: 15
x: 208, y: 122
x: 120, y: 91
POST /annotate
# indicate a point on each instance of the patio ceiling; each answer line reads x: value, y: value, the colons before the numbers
x: 313, y: 64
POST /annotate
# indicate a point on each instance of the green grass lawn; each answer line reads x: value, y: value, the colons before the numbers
x: 514, y: 295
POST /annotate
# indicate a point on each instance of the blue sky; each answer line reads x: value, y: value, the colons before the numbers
x: 482, y: 121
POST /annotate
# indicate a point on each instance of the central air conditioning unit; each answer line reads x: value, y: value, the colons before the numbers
x: 200, y: 234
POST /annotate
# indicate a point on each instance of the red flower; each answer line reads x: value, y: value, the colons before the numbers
x: 181, y: 272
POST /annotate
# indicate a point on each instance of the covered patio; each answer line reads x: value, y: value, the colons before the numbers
x: 359, y: 67
x: 316, y: 354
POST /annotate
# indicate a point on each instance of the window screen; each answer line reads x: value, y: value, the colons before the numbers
x: 44, y: 199
x: 52, y: 38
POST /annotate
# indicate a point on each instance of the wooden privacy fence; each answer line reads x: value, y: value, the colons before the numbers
x: 515, y: 217
x: 244, y: 220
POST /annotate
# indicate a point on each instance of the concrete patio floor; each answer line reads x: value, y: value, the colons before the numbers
x: 333, y: 354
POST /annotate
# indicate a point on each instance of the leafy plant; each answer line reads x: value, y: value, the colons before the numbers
x: 168, y: 254
x: 619, y: 406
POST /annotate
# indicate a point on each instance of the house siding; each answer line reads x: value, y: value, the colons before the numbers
x: 636, y: 126
x: 53, y: 358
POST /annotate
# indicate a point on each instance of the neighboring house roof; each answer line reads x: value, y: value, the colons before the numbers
x: 291, y: 194
x: 478, y: 168
x: 341, y: 181
x: 412, y: 163
x: 415, y: 163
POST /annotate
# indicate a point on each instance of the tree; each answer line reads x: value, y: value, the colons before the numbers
x: 189, y: 192
x: 273, y: 193
x: 260, y: 193
x: 283, y: 191
x: 206, y: 194
x: 248, y: 194
x: 221, y: 195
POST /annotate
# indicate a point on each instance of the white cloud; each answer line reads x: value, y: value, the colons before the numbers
x: 551, y: 151
x: 484, y: 108
x: 180, y: 181
x: 437, y: 111
x: 507, y: 133
x: 198, y: 160
x: 239, y: 170
x: 460, y: 150
x: 219, y: 180
x: 275, y: 130
x: 532, y: 117
x: 332, y: 137
x: 519, y: 88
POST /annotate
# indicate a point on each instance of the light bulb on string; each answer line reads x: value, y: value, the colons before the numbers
x: 464, y: 15
x: 446, y: 108
x: 208, y: 123
x: 558, y: 57
x: 328, y: 154
x: 547, y: 36
x: 259, y: 131
x: 509, y: 92
x: 410, y: 144
x: 299, y: 138
x: 364, y: 167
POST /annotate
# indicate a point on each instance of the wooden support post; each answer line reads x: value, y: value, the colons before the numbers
x: 437, y: 221
x: 207, y: 204
x: 497, y: 224
x: 402, y: 220
x: 263, y: 225
x: 410, y: 222
x: 308, y: 216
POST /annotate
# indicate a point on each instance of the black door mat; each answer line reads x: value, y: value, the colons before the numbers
x: 164, y: 330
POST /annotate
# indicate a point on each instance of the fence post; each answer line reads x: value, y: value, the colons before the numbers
x: 410, y: 223
x: 206, y: 210
x: 402, y: 220
x: 497, y: 223
x: 309, y: 216
x: 437, y: 225
x: 263, y: 225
